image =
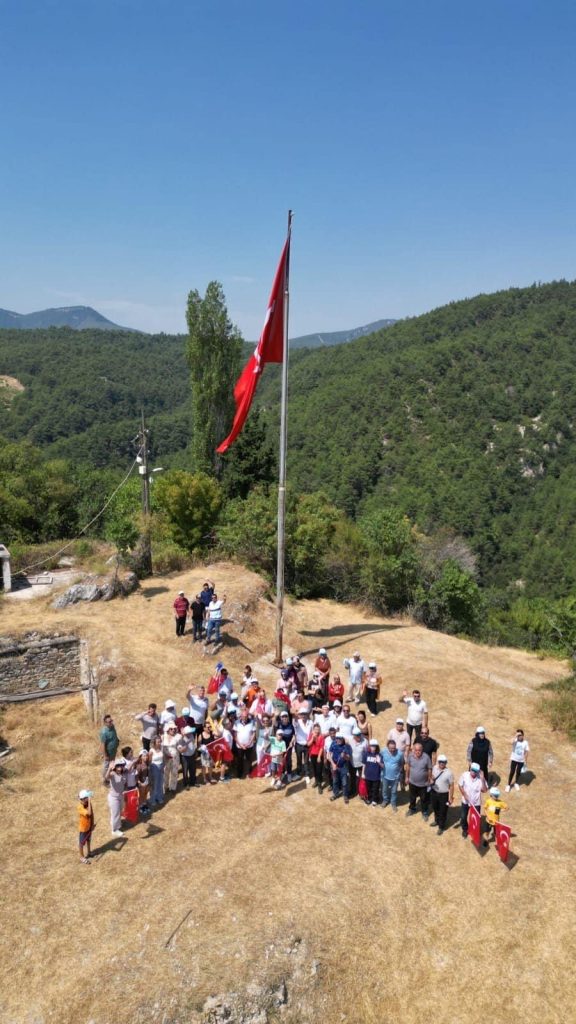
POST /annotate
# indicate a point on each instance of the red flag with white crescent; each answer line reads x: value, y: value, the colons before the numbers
x: 474, y: 825
x: 270, y: 349
x: 503, y: 833
x: 219, y: 750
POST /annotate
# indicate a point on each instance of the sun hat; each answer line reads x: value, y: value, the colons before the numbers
x: 119, y: 762
x: 169, y: 704
x: 442, y: 757
x: 474, y: 767
x: 337, y: 703
x: 480, y: 728
x: 495, y: 792
x: 180, y: 593
x: 85, y: 794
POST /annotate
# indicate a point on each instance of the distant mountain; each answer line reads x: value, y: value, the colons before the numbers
x: 338, y: 337
x: 79, y: 318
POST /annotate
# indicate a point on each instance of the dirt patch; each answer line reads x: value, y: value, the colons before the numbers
x: 388, y: 920
x: 9, y: 388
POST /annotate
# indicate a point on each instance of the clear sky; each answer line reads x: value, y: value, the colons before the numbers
x: 427, y: 148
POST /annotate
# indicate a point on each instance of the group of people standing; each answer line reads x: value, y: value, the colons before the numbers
x: 306, y: 729
x: 204, y: 612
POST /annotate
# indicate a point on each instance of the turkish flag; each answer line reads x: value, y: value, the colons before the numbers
x: 219, y: 750
x: 270, y: 349
x: 262, y: 767
x: 503, y: 833
x: 474, y: 825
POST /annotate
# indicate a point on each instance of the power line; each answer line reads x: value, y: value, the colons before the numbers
x: 21, y: 572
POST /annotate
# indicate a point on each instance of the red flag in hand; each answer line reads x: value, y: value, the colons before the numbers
x: 503, y: 833
x: 261, y: 769
x: 270, y: 349
x: 219, y: 750
x: 474, y: 825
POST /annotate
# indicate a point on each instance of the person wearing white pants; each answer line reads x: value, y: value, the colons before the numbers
x: 116, y: 776
x: 171, y: 741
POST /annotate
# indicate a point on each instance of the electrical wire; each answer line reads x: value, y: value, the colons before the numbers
x: 22, y: 572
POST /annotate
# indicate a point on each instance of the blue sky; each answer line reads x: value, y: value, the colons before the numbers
x: 150, y: 146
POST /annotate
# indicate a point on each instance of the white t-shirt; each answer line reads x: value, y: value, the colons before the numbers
x: 215, y: 610
x: 245, y: 733
x: 166, y: 717
x: 356, y: 670
x: 302, y: 730
x: 325, y: 722
x: 416, y: 711
x: 519, y: 750
x: 198, y: 709
x: 346, y: 725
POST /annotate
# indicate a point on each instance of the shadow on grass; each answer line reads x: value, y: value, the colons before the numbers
x: 154, y: 591
x: 112, y: 846
x: 152, y: 830
x: 356, y: 632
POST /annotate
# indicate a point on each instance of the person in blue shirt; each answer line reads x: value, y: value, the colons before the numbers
x: 372, y: 759
x: 340, y: 755
x: 392, y: 773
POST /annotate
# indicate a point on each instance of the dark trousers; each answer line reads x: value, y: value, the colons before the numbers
x: 464, y: 818
x: 302, y: 759
x: 188, y: 770
x: 180, y: 625
x: 244, y: 761
x: 317, y: 768
x: 146, y: 743
x: 371, y: 700
x: 413, y: 729
x: 355, y: 776
x: 440, y: 806
x: 196, y: 629
x: 515, y: 770
x: 373, y: 787
x: 419, y: 791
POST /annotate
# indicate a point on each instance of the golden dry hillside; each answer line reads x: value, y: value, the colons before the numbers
x: 287, y: 907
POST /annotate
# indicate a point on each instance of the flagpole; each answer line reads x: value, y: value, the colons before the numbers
x: 282, y: 464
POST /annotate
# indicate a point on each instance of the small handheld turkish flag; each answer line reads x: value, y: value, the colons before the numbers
x: 263, y: 766
x: 474, y: 825
x: 503, y: 833
x: 219, y: 750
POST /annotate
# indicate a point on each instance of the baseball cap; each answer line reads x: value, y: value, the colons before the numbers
x: 322, y: 650
x: 303, y: 711
x: 284, y: 714
x: 372, y: 664
x: 442, y: 757
x: 180, y: 593
x: 85, y: 794
x: 480, y: 728
x: 339, y: 735
x: 495, y: 792
x: 185, y: 711
x: 356, y: 731
x: 356, y: 654
x: 187, y: 730
x: 289, y: 661
x: 337, y: 703
x: 374, y: 743
x: 399, y: 721
x: 169, y: 704
x: 474, y: 767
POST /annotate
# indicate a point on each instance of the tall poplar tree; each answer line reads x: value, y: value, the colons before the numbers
x: 213, y: 352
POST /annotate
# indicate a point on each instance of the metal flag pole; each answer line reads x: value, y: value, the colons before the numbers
x: 282, y: 461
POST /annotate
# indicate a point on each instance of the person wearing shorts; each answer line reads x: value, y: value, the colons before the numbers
x: 85, y: 824
x: 278, y: 757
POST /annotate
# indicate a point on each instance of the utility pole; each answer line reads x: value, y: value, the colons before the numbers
x: 145, y: 545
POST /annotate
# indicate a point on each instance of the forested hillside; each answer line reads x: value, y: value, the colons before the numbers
x: 462, y: 418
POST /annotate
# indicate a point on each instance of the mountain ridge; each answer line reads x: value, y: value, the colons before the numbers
x: 79, y: 318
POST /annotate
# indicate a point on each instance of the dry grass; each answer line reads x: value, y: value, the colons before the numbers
x: 369, y: 918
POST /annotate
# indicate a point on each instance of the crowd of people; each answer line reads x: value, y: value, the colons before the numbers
x: 309, y: 729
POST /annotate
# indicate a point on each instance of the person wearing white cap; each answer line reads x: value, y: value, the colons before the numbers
x: 325, y: 718
x: 171, y: 741
x: 471, y: 785
x: 187, y: 751
x: 340, y: 756
x: 371, y: 687
x: 480, y: 750
x: 356, y: 671
x: 302, y: 730
x: 181, y: 606
x: 442, y: 792
x: 86, y: 824
x: 116, y: 776
x: 323, y: 666
x: 359, y: 747
x: 168, y: 714
x: 198, y: 703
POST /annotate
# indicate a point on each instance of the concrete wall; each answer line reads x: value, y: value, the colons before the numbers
x: 41, y: 664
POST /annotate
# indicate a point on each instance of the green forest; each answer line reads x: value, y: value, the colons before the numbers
x: 459, y: 423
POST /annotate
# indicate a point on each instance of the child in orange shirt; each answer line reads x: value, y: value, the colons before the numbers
x: 86, y: 824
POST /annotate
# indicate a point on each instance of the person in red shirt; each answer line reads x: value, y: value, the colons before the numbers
x: 335, y: 691
x: 315, y: 750
x: 181, y: 606
x: 323, y: 665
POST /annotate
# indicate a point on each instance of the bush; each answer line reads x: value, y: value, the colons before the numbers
x: 168, y: 557
x: 560, y: 708
x: 452, y: 603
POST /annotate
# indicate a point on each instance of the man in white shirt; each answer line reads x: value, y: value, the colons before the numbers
x: 356, y: 669
x: 302, y: 730
x: 245, y: 732
x: 346, y: 722
x: 198, y: 704
x: 214, y: 618
x: 325, y: 718
x: 416, y: 712
x: 471, y: 785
